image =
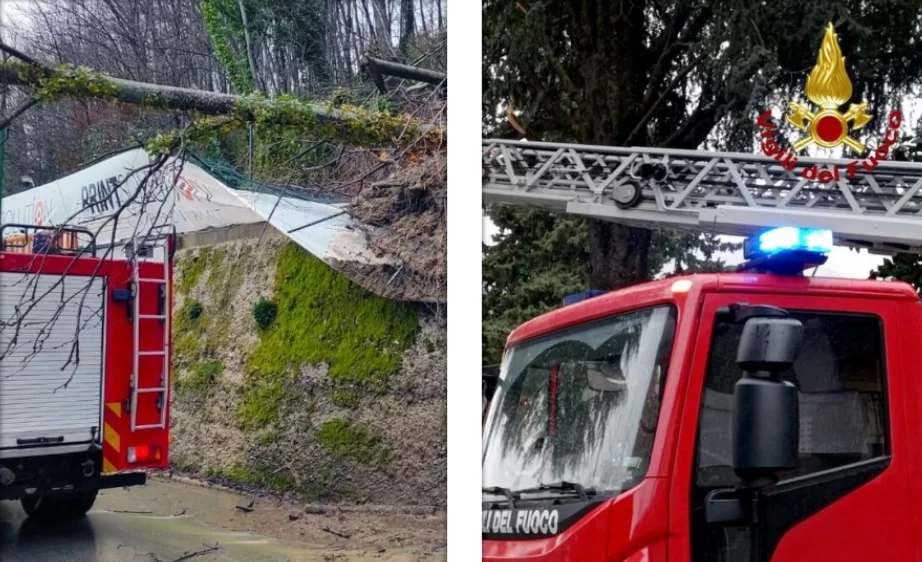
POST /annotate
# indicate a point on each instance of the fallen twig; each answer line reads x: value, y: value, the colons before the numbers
x: 337, y: 533
x: 249, y: 507
x: 191, y: 555
x: 142, y: 512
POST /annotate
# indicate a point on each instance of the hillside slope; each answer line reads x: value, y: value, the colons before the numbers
x: 341, y: 397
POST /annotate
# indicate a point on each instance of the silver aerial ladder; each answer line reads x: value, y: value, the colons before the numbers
x: 723, y: 193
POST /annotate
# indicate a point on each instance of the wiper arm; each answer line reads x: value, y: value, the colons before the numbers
x: 500, y: 491
x: 562, y: 486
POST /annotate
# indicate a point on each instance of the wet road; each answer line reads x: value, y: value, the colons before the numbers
x: 178, y: 520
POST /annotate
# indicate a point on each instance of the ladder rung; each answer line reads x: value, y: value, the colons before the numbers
x: 151, y: 280
x: 151, y: 317
x: 150, y: 426
x: 150, y: 353
x: 152, y: 389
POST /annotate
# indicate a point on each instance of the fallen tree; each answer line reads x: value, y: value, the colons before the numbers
x: 397, y: 157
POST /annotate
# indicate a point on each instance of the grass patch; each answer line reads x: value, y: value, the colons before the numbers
x: 188, y: 332
x: 344, y: 397
x: 191, y: 269
x: 215, y: 268
x: 253, y: 476
x: 325, y: 318
x: 344, y: 438
x: 199, y: 377
x: 260, y: 404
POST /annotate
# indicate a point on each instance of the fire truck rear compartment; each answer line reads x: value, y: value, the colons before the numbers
x: 51, y: 375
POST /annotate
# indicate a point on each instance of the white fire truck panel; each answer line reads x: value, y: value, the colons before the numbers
x: 38, y: 406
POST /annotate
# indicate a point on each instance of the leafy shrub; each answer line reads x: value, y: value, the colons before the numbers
x: 264, y: 312
x: 194, y: 310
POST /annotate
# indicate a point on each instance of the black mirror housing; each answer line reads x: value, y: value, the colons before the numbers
x: 765, y: 428
x: 769, y: 345
x: 765, y: 411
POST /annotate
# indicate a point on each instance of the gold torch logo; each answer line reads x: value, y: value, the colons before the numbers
x: 829, y: 87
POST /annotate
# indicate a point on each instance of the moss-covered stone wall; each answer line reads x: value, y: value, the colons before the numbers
x: 339, y: 395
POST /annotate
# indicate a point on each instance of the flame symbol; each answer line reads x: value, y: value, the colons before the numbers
x: 828, y: 85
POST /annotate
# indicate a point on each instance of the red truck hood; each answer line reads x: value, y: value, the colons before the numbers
x: 630, y: 527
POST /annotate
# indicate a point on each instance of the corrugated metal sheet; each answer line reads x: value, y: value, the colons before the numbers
x: 33, y: 399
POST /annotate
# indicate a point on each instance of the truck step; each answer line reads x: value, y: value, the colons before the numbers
x: 150, y: 426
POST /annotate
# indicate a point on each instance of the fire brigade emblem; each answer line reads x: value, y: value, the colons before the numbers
x: 829, y: 87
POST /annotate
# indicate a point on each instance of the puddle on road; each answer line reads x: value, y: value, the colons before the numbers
x: 234, y: 545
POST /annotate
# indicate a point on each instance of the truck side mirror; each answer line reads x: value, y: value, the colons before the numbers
x: 765, y: 416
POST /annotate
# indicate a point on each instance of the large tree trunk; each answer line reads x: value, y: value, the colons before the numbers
x: 407, y: 26
x: 613, y: 78
x: 618, y: 255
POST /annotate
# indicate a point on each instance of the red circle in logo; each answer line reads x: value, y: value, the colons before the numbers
x: 829, y: 128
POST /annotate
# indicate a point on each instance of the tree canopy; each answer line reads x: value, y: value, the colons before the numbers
x: 668, y: 73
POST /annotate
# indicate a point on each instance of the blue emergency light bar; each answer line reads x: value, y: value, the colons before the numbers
x: 787, y: 249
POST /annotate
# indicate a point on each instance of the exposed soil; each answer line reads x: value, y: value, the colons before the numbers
x: 408, y: 213
x: 347, y: 533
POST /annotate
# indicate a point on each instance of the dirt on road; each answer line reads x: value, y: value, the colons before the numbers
x: 339, y: 533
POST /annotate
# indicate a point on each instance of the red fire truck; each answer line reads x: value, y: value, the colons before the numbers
x: 753, y: 416
x: 84, y: 366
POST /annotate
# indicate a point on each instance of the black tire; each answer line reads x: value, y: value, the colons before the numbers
x: 70, y: 506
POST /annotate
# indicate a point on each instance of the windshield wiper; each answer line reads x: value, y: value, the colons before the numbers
x: 500, y: 491
x: 561, y: 486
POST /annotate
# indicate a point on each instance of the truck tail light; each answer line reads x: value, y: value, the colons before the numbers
x: 143, y: 453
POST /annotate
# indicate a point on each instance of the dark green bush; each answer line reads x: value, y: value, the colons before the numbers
x: 264, y: 312
x: 194, y: 310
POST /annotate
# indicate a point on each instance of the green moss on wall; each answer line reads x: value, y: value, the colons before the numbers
x: 325, y: 318
x: 344, y: 438
x: 191, y: 269
x: 188, y: 333
x: 262, y: 399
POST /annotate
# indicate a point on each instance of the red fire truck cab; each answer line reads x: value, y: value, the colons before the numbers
x: 84, y: 367
x: 738, y: 417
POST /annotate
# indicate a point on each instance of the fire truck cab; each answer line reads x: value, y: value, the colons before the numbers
x: 84, y: 367
x: 754, y: 416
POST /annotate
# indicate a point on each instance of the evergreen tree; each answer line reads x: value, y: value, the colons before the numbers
x: 673, y: 73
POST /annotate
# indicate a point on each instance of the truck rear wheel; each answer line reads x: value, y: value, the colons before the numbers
x: 70, y: 506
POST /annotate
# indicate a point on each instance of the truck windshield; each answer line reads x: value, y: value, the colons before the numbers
x: 579, y: 405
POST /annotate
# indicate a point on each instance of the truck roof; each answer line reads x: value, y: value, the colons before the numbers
x: 661, y: 291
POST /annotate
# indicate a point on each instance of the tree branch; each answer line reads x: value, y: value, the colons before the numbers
x: 377, y: 67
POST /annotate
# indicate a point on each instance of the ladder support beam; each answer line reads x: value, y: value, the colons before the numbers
x: 723, y: 193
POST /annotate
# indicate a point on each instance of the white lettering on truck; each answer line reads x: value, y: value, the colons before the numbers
x: 527, y: 522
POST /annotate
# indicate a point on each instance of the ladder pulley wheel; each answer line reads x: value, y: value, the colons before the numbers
x: 627, y: 195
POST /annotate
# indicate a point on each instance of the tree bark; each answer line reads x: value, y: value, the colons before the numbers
x: 407, y: 26
x: 249, y: 45
x: 167, y: 97
x: 612, y: 78
x: 618, y: 256
x: 379, y: 67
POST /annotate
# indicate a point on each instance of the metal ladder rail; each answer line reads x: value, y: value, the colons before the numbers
x: 136, y: 390
x: 724, y: 193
